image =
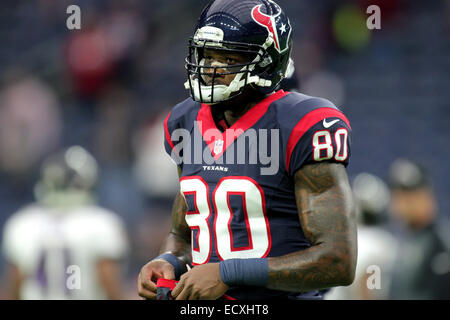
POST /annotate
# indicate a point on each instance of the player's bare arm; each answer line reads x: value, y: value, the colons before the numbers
x: 177, y: 244
x: 324, y: 202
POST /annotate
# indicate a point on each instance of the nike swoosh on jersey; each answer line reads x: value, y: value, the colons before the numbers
x: 329, y: 124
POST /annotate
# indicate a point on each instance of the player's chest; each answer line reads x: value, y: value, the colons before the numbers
x: 237, y: 188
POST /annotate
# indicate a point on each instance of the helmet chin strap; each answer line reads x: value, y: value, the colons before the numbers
x: 223, y: 92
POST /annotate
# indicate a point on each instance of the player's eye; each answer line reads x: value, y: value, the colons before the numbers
x: 231, y: 61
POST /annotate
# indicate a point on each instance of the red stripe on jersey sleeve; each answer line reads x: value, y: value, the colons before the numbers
x: 306, y: 123
x: 167, y: 134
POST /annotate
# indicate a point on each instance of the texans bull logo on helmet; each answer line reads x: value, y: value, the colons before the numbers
x: 272, y: 23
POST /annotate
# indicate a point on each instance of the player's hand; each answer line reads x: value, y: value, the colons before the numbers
x: 150, y: 273
x: 202, y: 282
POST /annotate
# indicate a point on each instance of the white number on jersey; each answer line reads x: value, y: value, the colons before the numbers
x: 323, y: 145
x: 259, y: 240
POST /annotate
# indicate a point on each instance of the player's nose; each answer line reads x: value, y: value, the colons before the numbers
x: 215, y: 70
x: 218, y: 64
x: 217, y: 67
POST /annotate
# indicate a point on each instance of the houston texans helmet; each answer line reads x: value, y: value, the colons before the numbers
x: 257, y: 28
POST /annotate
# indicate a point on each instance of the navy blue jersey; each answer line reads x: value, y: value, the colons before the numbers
x: 238, y: 182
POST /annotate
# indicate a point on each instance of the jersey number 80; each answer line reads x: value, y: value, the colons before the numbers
x: 323, y: 145
x: 257, y: 226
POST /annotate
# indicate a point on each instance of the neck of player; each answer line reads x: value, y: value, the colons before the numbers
x: 232, y: 110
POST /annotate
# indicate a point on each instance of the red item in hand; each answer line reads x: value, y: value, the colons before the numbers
x: 164, y: 289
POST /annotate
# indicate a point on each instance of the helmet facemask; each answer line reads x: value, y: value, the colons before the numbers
x: 259, y: 28
x: 245, y: 74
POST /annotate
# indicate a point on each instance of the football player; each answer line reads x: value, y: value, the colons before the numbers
x: 64, y: 246
x: 250, y: 231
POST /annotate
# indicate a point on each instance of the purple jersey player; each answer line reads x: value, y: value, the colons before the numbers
x: 265, y: 208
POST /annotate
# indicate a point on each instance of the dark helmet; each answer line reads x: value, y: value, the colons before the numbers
x: 67, y: 178
x: 405, y: 174
x: 257, y: 28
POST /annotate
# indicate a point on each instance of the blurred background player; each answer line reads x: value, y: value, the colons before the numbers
x: 376, y: 245
x: 64, y: 246
x: 422, y: 265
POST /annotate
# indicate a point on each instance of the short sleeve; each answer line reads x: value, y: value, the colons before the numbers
x: 171, y: 149
x: 168, y: 144
x: 110, y: 237
x: 323, y: 134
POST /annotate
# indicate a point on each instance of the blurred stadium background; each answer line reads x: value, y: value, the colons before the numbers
x: 108, y: 86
